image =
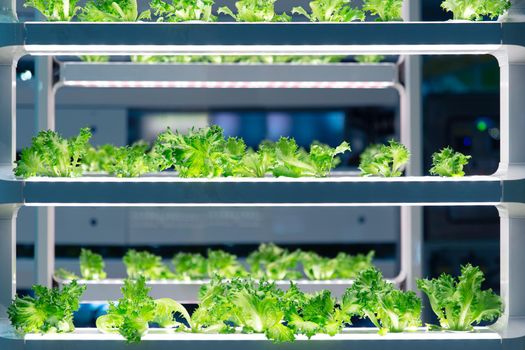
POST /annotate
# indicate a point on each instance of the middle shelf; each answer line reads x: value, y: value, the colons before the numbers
x: 188, y: 291
x: 339, y: 189
x: 191, y: 75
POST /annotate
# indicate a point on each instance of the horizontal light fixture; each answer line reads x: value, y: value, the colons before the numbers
x: 171, y: 177
x: 349, y: 334
x: 231, y: 84
x: 264, y: 205
x: 54, y: 50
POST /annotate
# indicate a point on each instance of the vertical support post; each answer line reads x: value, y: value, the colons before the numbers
x: 410, y: 134
x: 512, y: 166
x: 8, y: 61
x: 7, y: 255
x: 512, y: 242
x: 8, y: 11
x: 7, y: 112
x: 45, y: 116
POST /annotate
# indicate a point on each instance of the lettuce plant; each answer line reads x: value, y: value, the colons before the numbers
x: 476, y: 9
x: 459, y: 303
x: 112, y: 11
x: 330, y: 11
x: 52, y: 155
x: 49, y: 311
x: 385, y: 160
x: 255, y: 11
x: 448, y: 163
x: 55, y: 10
x: 183, y: 10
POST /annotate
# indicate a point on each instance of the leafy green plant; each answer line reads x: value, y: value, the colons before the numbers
x: 255, y: 164
x: 65, y: 274
x: 311, y: 314
x: 147, y: 265
x: 165, y: 311
x: 331, y: 11
x: 274, y: 263
x: 91, y: 265
x: 131, y: 161
x: 253, y: 307
x: 389, y: 309
x: 318, y: 267
x: 387, y: 161
x: 50, y: 311
x: 476, y: 9
x: 292, y: 161
x: 112, y: 11
x: 199, y: 153
x: 255, y: 11
x: 460, y: 303
x: 385, y: 10
x: 448, y: 163
x: 349, y: 266
x: 190, y: 266
x: 183, y: 10
x: 130, y: 316
x: 99, y: 159
x: 223, y: 264
x: 52, y: 155
x: 95, y: 58
x: 366, y: 59
x: 55, y: 10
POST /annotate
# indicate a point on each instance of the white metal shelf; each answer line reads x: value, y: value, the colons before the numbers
x: 265, y: 38
x: 188, y: 291
x: 235, y: 75
x: 362, y: 338
x: 166, y: 189
x: 504, y: 40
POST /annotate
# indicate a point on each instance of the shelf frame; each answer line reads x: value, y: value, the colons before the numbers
x: 505, y: 41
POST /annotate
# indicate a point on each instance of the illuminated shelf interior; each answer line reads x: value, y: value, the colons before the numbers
x: 232, y: 76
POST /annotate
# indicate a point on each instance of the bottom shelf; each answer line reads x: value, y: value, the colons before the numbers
x: 354, y: 338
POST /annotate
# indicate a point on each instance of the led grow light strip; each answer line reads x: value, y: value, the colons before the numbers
x: 353, y: 334
x: 231, y: 84
x: 57, y: 49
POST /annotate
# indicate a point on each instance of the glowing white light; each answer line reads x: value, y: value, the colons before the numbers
x: 476, y: 49
x: 26, y: 75
x: 231, y: 84
x: 351, y: 334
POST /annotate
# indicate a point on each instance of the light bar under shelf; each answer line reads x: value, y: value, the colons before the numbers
x: 40, y: 38
x: 165, y: 189
x: 236, y: 75
x: 481, y: 338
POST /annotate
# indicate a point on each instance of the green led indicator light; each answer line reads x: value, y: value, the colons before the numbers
x: 481, y: 126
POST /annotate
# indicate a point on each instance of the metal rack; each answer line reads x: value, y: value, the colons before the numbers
x: 505, y: 189
x: 284, y: 77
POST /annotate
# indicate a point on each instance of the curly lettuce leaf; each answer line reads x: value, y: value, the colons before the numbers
x: 385, y: 10
x: 145, y: 264
x: 130, y: 315
x: 387, y: 161
x: 448, y: 163
x: 49, y: 311
x: 112, y: 11
x: 91, y: 265
x: 255, y: 11
x: 55, y: 10
x: 183, y: 10
x: 52, y: 155
x: 331, y: 11
x: 460, y: 303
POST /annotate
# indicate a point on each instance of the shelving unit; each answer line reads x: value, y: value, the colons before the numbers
x: 505, y: 189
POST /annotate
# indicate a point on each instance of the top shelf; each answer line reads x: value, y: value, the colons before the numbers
x: 45, y: 38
